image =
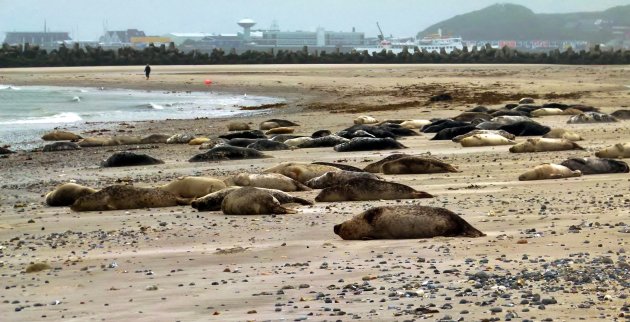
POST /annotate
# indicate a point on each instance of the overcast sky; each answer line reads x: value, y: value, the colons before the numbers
x: 86, y: 19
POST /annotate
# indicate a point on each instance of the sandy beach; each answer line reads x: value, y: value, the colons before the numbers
x: 554, y: 250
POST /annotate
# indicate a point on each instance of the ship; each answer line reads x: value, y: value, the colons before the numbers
x: 430, y: 43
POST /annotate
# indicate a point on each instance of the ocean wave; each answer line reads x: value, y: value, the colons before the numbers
x: 66, y: 117
x: 9, y: 87
x: 76, y: 99
x: 156, y: 106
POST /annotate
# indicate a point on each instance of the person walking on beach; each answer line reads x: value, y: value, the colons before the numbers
x: 147, y: 71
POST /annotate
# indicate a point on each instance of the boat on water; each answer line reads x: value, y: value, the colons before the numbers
x: 431, y: 43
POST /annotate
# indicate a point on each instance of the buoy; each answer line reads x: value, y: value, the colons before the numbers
x: 207, y: 82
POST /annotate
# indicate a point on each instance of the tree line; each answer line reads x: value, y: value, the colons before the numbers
x: 33, y: 56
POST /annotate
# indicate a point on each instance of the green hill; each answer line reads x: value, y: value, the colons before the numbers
x: 516, y: 22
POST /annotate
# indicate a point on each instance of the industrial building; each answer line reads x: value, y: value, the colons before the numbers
x: 42, y: 39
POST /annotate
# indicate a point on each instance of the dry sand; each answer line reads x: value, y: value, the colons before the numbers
x: 556, y: 249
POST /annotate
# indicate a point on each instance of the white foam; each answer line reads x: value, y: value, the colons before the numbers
x: 66, y: 117
x: 76, y: 99
x: 9, y: 87
x: 156, y: 106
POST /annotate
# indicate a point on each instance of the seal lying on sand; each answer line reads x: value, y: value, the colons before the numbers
x: 592, y: 117
x: 414, y: 124
x: 344, y: 167
x: 326, y: 141
x: 375, y: 167
x: 369, y: 189
x: 504, y: 134
x: 365, y: 119
x: 300, y: 171
x: 563, y: 134
x: 619, y: 150
x: 66, y: 194
x: 252, y: 201
x: 280, y: 130
x: 268, y: 145
x: 404, y: 222
x: 119, y: 197
x: 251, y: 134
x: 442, y: 124
x: 182, y: 138
x: 127, y: 159
x: 487, y: 139
x: 621, y: 114
x: 369, y: 144
x: 61, y: 146
x: 61, y: 136
x: 596, y: 165
x: 154, y: 138
x: 549, y: 171
x: 546, y: 111
x: 193, y: 187
x: 525, y: 128
x: 329, y: 179
x: 213, y: 201
x: 238, y: 126
x: 226, y: 152
x: 544, y: 145
x: 266, y: 180
x: 273, y: 123
x: 450, y: 133
x: 416, y: 165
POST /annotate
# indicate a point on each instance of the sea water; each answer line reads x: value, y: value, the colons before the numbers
x: 26, y: 112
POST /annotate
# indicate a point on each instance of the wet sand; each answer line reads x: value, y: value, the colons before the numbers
x: 555, y: 249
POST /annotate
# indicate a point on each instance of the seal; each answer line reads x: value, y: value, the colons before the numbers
x: 450, y: 133
x: 563, y: 134
x: 295, y: 142
x: 252, y: 201
x: 376, y: 131
x: 320, y: 134
x: 128, y: 159
x: 213, y: 201
x: 480, y: 108
x: 369, y: 144
x: 322, y: 142
x: 365, y: 119
x: 470, y: 116
x: 621, y: 114
x: 504, y: 134
x: 280, y: 130
x: 182, y: 138
x: 375, y: 167
x: 300, y: 171
x: 193, y: 187
x: 95, y: 141
x: 619, y: 150
x: 251, y: 134
x: 238, y: 126
x: 66, y: 194
x: 442, y: 124
x: 416, y: 165
x: 526, y: 100
x: 487, y: 139
x: 489, y: 126
x: 226, y: 152
x: 340, y: 166
x: 544, y: 145
x: 154, y: 138
x: 405, y: 222
x: 592, y: 117
x: 198, y: 141
x: 61, y: 146
x: 362, y: 189
x: 243, y: 143
x: 335, y: 178
x: 270, y: 124
x: 118, y: 197
x: 507, y: 119
x: 61, y: 136
x: 547, y: 111
x: 596, y: 165
x: 505, y: 112
x: 266, y: 180
x: 414, y: 124
x: 525, y: 128
x: 549, y: 171
x: 284, y: 137
x: 268, y: 145
x: 526, y: 108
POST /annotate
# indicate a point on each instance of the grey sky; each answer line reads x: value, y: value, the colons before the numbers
x: 85, y: 18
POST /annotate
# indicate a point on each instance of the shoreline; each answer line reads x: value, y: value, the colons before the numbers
x: 548, y: 242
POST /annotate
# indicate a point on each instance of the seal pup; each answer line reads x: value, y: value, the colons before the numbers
x: 128, y: 159
x: 486, y: 139
x: 182, y: 138
x: 362, y: 189
x: 301, y: 171
x: 369, y: 144
x: 617, y: 151
x: 193, y: 187
x: 280, y: 130
x: 272, y: 123
x: 268, y: 145
x: 546, y: 111
x: 414, y: 124
x: 340, y: 166
x: 118, y: 197
x: 61, y: 136
x: 504, y: 134
x: 592, y: 117
x: 525, y: 128
x: 226, y: 152
x: 252, y: 201
x: 375, y: 167
x: 295, y: 142
x: 238, y: 126
x: 266, y: 180
x: 544, y: 145
x: 596, y: 165
x: 549, y: 171
x: 329, y: 179
x: 416, y: 165
x: 213, y: 201
x: 563, y: 134
x: 61, y: 146
x: 66, y: 194
x: 405, y: 222
x: 365, y: 119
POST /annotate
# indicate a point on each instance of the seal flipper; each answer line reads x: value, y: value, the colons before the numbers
x: 302, y: 201
x: 184, y: 201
